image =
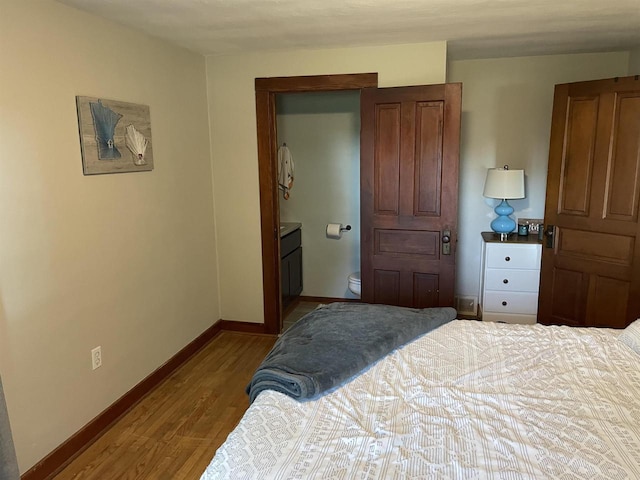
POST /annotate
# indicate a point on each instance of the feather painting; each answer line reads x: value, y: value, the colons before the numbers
x: 109, y: 130
x: 105, y: 121
x: 137, y: 144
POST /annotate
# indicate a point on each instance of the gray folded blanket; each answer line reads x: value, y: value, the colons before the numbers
x: 335, y: 342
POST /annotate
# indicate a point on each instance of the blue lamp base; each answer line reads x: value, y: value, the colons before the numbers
x: 503, y: 224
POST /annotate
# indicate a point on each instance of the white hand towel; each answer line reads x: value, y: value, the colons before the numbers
x: 285, y: 171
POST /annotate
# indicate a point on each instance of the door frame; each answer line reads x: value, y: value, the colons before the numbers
x: 266, y: 90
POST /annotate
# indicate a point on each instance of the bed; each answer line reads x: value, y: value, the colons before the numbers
x: 468, y: 400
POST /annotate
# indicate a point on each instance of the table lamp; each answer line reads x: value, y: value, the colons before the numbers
x: 504, y: 184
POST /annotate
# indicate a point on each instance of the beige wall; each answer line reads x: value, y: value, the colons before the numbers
x: 506, y: 119
x: 123, y: 261
x: 234, y: 149
x: 128, y: 261
x: 634, y: 61
x: 322, y: 130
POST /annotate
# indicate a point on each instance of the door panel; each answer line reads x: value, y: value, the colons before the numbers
x: 578, y: 160
x: 409, y: 190
x: 569, y: 293
x: 428, y: 158
x: 387, y: 287
x: 584, y: 245
x: 590, y: 272
x: 609, y: 298
x: 387, y: 159
x: 425, y: 289
x: 624, y: 163
x: 407, y: 242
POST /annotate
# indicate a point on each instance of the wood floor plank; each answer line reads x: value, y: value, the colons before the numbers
x: 174, y: 431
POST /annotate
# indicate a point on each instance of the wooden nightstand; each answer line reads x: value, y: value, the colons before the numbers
x: 509, y: 279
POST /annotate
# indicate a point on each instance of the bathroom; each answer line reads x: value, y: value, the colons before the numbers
x: 322, y: 133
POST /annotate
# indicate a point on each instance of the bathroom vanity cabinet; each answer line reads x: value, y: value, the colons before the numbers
x: 290, y: 266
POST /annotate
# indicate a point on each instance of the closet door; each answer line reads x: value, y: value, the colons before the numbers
x: 409, y: 153
x: 590, y: 272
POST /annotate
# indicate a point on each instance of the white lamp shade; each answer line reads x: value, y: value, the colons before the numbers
x: 505, y: 184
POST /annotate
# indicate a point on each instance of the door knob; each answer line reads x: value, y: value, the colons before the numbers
x: 446, y: 242
x: 550, y: 232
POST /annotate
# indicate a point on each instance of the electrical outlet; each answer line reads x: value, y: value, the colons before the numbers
x: 96, y: 357
x: 466, y: 305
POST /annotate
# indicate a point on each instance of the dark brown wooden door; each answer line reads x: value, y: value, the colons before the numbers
x: 409, y: 149
x: 591, y: 258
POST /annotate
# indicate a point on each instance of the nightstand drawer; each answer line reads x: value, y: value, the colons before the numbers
x: 511, y: 302
x: 504, y: 255
x: 510, y: 280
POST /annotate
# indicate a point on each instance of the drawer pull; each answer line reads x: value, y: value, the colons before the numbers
x: 505, y: 281
x: 507, y: 259
x: 504, y: 304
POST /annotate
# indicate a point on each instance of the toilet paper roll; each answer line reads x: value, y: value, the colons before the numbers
x: 334, y: 230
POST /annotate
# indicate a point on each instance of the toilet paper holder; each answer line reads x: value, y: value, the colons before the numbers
x: 335, y: 230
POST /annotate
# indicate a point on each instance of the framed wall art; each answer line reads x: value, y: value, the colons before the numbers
x: 115, y: 137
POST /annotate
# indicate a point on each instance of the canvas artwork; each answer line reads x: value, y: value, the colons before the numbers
x: 115, y: 137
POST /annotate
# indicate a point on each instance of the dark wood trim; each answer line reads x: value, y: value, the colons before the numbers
x: 317, y: 83
x: 246, y: 327
x: 59, y: 458
x: 328, y: 299
x: 266, y: 90
x: 269, y: 211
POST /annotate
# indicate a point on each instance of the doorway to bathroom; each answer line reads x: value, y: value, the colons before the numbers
x: 267, y: 90
x: 319, y: 142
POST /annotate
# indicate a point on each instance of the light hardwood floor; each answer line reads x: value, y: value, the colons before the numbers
x: 173, y: 432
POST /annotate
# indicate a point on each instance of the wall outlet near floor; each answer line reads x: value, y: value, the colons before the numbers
x: 96, y: 357
x: 466, y: 305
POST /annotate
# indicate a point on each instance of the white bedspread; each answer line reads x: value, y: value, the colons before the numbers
x: 471, y: 400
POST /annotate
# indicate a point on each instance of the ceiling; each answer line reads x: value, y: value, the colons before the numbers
x: 473, y: 28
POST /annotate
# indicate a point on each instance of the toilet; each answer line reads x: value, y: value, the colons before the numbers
x: 354, y: 284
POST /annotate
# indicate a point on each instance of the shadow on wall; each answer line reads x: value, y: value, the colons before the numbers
x: 520, y: 146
